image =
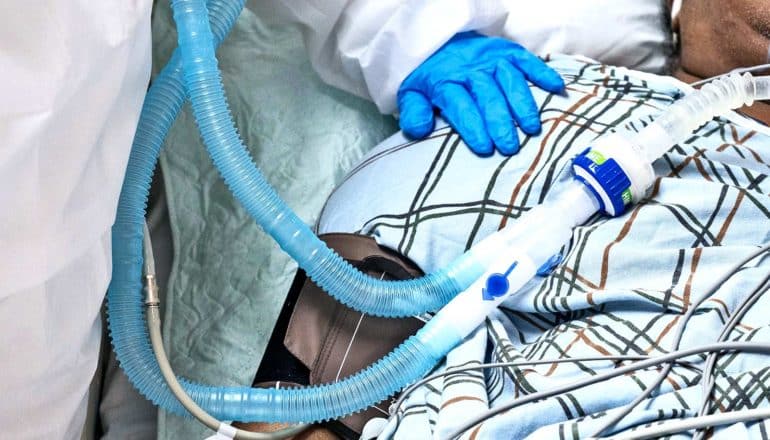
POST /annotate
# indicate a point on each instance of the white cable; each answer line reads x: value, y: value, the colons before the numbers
x: 707, y: 378
x: 676, y: 6
x: 153, y: 322
x: 752, y: 347
x: 713, y: 287
x: 396, y: 407
x: 674, y: 426
x: 350, y: 344
x: 223, y: 430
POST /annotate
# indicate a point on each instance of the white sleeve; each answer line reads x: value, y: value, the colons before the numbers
x: 368, y: 47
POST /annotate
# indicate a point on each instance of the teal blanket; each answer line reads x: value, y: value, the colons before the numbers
x: 229, y: 279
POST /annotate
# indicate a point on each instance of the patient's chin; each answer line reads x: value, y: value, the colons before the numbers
x: 720, y: 35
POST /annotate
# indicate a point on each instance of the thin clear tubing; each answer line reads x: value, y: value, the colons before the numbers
x: 716, y: 98
x: 128, y: 330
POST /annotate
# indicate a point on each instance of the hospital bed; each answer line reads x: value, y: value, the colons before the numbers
x: 217, y: 323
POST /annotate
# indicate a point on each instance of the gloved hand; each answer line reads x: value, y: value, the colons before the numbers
x: 480, y: 85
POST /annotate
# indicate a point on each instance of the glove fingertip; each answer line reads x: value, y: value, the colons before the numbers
x: 482, y: 147
x: 553, y: 82
x: 476, y: 137
x: 510, y: 149
x: 417, y: 128
x: 416, y: 119
x: 531, y: 126
x: 506, y: 139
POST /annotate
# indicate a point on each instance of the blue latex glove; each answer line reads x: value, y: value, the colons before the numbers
x: 480, y: 85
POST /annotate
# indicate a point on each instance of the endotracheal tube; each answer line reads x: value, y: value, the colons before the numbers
x: 614, y: 173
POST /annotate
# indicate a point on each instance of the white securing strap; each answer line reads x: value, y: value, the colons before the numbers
x: 225, y: 432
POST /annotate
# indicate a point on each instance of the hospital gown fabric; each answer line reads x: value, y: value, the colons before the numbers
x: 229, y: 279
x: 624, y: 282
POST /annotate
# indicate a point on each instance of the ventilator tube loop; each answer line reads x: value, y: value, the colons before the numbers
x: 514, y: 252
x: 126, y: 318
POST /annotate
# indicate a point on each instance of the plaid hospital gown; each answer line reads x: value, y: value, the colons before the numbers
x: 623, y: 283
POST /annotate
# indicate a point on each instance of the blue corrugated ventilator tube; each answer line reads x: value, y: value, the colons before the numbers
x: 611, y: 175
x: 125, y: 308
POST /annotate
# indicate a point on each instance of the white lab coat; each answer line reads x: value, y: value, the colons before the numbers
x: 368, y: 47
x: 72, y: 79
x: 74, y: 75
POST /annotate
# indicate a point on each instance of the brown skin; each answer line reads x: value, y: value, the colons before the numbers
x: 717, y: 36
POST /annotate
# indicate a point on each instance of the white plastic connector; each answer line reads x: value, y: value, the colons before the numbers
x: 470, y: 308
x: 762, y: 88
x: 631, y: 158
x: 547, y: 226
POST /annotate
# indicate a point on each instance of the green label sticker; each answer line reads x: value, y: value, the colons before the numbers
x: 596, y: 157
x: 626, y: 196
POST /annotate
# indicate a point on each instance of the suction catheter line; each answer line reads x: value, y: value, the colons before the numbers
x: 152, y: 303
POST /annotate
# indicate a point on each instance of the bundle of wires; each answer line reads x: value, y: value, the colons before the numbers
x: 642, y: 362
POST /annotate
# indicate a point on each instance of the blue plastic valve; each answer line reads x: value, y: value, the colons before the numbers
x: 606, y: 179
x: 549, y: 265
x: 497, y: 284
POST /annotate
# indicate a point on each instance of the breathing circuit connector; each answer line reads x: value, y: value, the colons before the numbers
x: 152, y: 293
x: 151, y: 290
x: 619, y: 172
x: 615, y: 171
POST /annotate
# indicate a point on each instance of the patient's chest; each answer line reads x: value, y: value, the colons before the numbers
x: 432, y: 199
